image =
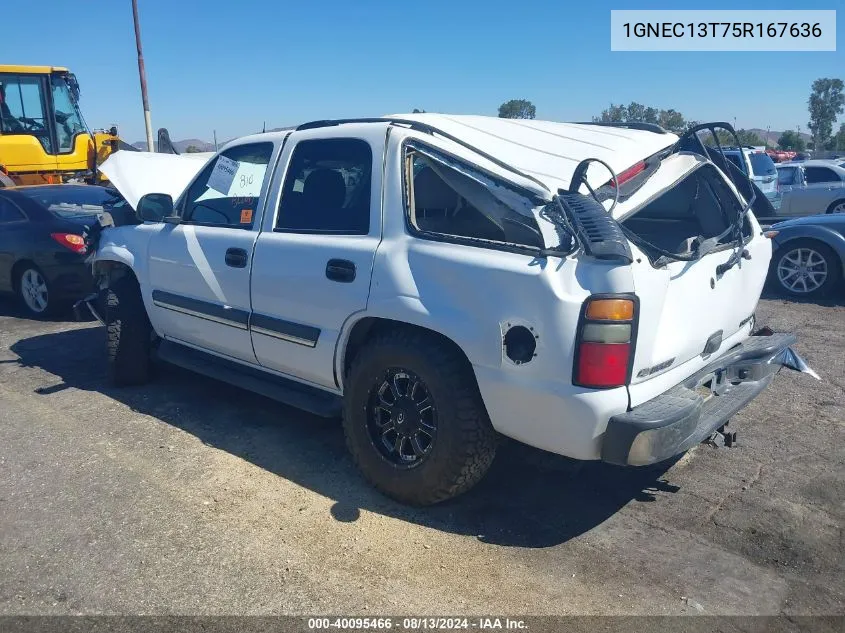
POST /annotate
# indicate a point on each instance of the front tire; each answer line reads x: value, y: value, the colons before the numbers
x: 414, y: 419
x: 806, y: 268
x: 129, y: 333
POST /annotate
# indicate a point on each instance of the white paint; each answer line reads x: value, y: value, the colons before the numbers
x: 137, y: 173
x: 465, y: 293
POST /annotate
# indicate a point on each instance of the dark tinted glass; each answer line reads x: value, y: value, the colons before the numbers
x: 69, y: 201
x: 9, y: 212
x: 820, y: 174
x: 762, y: 165
x: 327, y: 188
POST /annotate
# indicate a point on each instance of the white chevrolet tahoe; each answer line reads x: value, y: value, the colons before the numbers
x: 438, y: 280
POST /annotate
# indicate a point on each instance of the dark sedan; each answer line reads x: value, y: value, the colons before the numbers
x: 808, y: 255
x: 42, y: 250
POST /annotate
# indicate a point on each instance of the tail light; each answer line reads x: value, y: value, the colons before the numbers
x: 605, y: 343
x: 74, y: 242
x: 626, y: 175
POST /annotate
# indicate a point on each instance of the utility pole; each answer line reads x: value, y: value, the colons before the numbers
x: 146, y: 102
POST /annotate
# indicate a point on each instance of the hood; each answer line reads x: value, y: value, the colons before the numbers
x: 547, y: 150
x: 135, y: 174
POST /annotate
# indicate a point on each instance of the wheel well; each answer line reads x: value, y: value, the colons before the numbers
x: 368, y: 327
x: 16, y: 269
x: 834, y: 203
x: 113, y: 270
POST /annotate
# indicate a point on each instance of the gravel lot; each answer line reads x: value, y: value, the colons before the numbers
x: 191, y: 497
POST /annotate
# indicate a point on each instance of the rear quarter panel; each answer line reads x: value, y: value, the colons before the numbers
x: 473, y: 295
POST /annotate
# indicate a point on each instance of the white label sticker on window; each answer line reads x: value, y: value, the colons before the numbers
x: 223, y: 174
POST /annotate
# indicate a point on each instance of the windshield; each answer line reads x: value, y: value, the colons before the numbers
x: 69, y: 121
x: 762, y: 165
x: 72, y: 201
x: 786, y: 175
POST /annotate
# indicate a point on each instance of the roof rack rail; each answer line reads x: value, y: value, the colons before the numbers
x: 426, y: 128
x: 634, y: 125
x: 312, y: 125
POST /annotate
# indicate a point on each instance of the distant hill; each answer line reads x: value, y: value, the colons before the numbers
x: 774, y: 135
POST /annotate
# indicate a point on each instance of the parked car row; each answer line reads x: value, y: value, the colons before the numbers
x: 808, y: 188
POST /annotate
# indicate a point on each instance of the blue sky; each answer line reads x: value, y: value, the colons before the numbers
x: 231, y: 65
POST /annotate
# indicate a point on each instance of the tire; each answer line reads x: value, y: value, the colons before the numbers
x: 822, y: 268
x: 129, y: 342
x: 837, y: 206
x: 463, y: 444
x: 34, y: 292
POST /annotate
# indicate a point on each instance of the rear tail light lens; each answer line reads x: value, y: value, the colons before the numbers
x: 74, y: 242
x: 604, y: 348
x: 629, y: 173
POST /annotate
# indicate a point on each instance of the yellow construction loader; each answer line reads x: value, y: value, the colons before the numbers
x: 43, y: 137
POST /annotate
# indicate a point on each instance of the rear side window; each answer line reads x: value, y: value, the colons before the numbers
x: 228, y: 191
x: 451, y: 199
x: 327, y: 188
x: 762, y: 165
x: 9, y: 212
x: 820, y: 174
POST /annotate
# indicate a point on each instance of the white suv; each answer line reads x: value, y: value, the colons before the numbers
x: 438, y: 279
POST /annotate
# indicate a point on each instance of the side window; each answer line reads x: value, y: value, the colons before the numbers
x: 9, y: 212
x: 820, y: 174
x: 68, y: 120
x: 327, y: 188
x: 228, y: 190
x: 452, y: 200
x: 22, y: 107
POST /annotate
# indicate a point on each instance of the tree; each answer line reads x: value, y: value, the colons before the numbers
x: 634, y: 112
x: 790, y: 139
x: 517, y: 109
x: 825, y: 103
x: 614, y: 114
x: 418, y: 111
x: 192, y: 149
x: 747, y: 137
x: 837, y: 143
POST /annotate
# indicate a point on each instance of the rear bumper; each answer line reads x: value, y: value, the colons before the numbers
x: 69, y: 281
x: 690, y: 412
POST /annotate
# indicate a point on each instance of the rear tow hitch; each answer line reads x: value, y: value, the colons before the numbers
x: 722, y: 437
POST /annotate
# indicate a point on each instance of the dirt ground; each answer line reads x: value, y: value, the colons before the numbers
x: 188, y: 496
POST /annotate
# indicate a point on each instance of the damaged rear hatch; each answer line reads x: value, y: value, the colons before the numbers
x: 698, y: 258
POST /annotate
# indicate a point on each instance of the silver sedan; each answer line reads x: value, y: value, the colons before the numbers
x: 809, y: 188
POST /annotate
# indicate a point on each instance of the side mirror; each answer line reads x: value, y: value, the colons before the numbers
x: 154, y: 207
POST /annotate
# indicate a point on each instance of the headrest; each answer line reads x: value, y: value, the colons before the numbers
x: 431, y: 192
x: 324, y: 188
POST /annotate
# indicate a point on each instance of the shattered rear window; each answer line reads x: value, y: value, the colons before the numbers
x: 73, y: 201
